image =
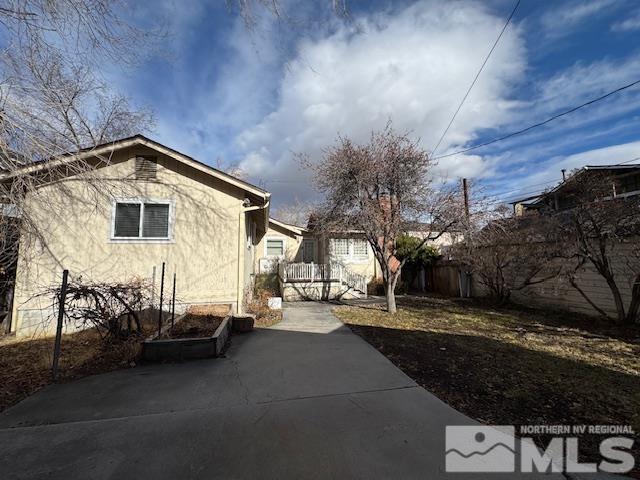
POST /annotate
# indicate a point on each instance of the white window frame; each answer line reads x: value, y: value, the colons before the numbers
x: 351, y: 256
x: 280, y: 239
x: 352, y: 248
x: 142, y: 201
x: 332, y: 249
x: 312, y: 241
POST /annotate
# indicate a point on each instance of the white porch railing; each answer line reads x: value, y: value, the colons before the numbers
x: 322, y: 272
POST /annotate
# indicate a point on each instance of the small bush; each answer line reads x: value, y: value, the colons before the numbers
x: 268, y: 282
x: 376, y: 287
x: 402, y: 287
x: 258, y: 305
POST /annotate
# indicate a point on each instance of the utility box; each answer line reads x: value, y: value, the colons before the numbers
x: 275, y: 303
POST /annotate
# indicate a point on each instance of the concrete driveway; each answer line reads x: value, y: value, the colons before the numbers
x: 307, y: 399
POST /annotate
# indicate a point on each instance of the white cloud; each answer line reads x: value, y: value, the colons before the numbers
x: 582, y: 81
x: 412, y: 66
x: 628, y: 24
x: 551, y: 169
x: 561, y: 20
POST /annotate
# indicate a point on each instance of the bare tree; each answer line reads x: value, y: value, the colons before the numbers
x: 601, y: 227
x: 251, y: 10
x: 508, y: 254
x: 295, y: 213
x: 382, y: 189
x: 53, y: 99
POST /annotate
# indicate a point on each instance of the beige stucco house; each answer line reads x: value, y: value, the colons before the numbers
x: 140, y: 204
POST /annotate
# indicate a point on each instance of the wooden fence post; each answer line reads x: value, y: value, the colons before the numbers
x: 56, y: 348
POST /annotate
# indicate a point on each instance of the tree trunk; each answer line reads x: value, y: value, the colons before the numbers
x: 617, y: 298
x: 634, y: 306
x: 391, y: 301
x: 391, y: 292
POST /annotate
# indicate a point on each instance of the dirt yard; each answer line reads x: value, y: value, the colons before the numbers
x: 512, y: 366
x: 193, y: 326
x: 25, y: 365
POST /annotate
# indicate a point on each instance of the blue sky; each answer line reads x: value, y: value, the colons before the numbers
x: 226, y: 95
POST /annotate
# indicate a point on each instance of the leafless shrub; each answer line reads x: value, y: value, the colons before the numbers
x: 113, y: 309
x: 258, y: 304
x: 508, y: 254
x: 600, y: 227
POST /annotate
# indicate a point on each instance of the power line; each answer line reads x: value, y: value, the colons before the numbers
x: 539, y: 124
x: 476, y: 77
x: 526, y: 186
x: 628, y: 161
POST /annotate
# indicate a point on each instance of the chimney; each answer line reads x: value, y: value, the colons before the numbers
x: 564, y: 174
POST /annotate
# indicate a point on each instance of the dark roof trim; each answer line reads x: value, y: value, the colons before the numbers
x: 139, y: 139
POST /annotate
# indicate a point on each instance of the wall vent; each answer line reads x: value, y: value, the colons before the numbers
x: 146, y: 168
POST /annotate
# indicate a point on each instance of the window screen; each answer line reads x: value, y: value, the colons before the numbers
x: 359, y: 247
x: 275, y: 247
x: 339, y: 246
x: 155, y: 223
x: 141, y: 220
x: 127, y: 221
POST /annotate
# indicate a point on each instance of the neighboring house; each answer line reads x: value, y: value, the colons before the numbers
x: 140, y: 204
x: 353, y: 250
x: 350, y: 249
x: 626, y: 182
x: 284, y: 242
x: 558, y: 293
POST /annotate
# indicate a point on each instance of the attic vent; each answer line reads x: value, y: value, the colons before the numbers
x: 146, y: 168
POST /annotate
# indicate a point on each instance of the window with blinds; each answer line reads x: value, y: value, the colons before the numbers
x: 143, y: 220
x: 274, y: 247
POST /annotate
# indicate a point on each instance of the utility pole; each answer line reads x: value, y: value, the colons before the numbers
x: 465, y: 191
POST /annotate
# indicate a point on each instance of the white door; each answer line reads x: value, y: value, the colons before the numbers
x: 309, y: 251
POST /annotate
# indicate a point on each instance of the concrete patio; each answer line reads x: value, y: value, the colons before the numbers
x: 306, y: 399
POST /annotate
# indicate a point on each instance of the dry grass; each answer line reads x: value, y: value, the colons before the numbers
x: 512, y: 366
x: 25, y: 365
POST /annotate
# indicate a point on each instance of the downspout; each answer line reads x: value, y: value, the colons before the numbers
x: 244, y: 208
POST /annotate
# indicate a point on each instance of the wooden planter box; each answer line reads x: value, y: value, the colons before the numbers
x: 179, y: 349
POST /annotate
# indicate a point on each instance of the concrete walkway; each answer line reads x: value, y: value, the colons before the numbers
x: 306, y: 399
